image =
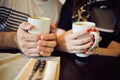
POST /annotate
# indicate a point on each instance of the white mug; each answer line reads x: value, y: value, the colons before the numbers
x: 76, y: 26
x: 41, y: 25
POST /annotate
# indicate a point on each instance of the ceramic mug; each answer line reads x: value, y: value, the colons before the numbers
x: 41, y: 25
x: 77, y: 26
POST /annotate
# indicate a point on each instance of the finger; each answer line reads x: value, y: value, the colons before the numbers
x: 90, y: 53
x: 78, y: 34
x: 53, y: 27
x: 81, y: 41
x: 83, y: 47
x: 77, y: 51
x: 46, y: 43
x: 26, y: 36
x: 45, y: 53
x: 32, y: 37
x: 94, y: 30
x: 51, y: 36
x: 45, y: 49
x: 30, y: 45
x: 25, y: 26
x: 31, y: 52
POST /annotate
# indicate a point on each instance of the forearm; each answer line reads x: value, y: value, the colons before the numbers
x: 7, y: 40
x: 112, y: 50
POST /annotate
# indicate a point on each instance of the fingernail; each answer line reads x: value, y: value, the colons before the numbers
x: 88, y: 30
x: 95, y: 30
x: 91, y: 44
x: 83, y: 52
x: 28, y: 27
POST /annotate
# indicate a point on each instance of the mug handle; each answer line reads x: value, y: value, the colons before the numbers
x: 96, y: 40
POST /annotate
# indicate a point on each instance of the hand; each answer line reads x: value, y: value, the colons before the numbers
x: 30, y: 44
x: 46, y: 44
x: 73, y: 43
x: 27, y: 43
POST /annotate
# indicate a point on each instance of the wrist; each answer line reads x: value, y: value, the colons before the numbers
x: 96, y: 51
x: 9, y: 40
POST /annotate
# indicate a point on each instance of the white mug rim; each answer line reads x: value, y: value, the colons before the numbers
x: 35, y: 18
x: 84, y: 22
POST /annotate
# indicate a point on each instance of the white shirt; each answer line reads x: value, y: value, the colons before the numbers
x: 21, y: 9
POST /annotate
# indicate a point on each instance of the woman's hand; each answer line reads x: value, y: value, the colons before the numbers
x: 73, y: 43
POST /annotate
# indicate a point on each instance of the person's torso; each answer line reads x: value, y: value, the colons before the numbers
x: 14, y: 12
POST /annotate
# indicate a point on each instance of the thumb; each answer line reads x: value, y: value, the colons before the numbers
x: 53, y: 27
x: 25, y: 26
